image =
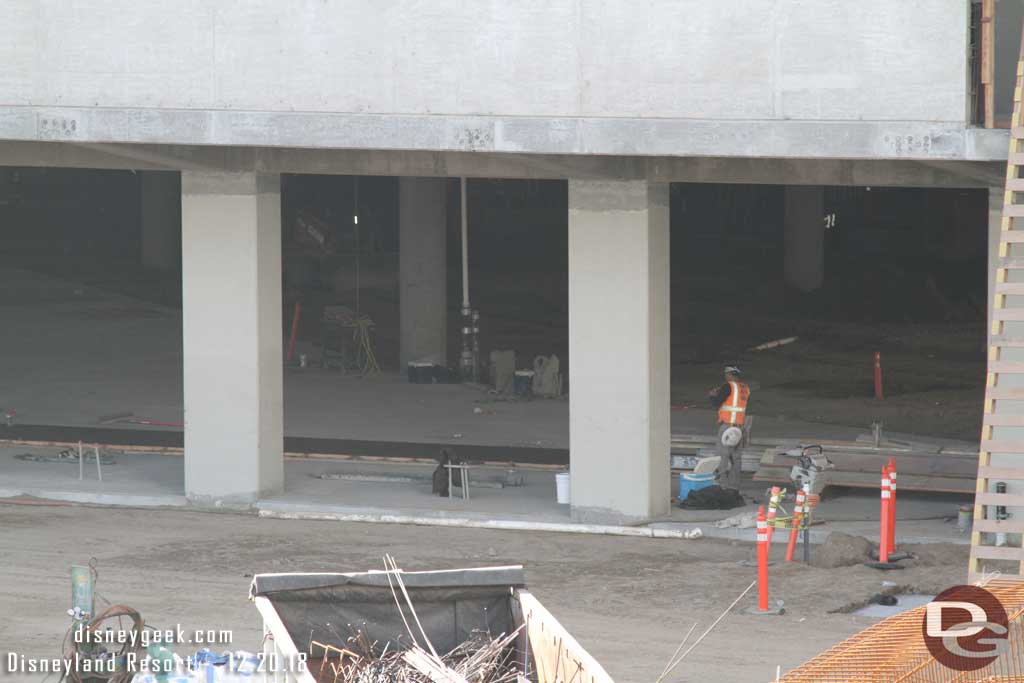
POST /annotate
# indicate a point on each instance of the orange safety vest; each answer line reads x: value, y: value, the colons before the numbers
x: 734, y: 410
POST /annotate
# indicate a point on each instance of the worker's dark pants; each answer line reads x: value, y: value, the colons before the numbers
x: 729, y: 470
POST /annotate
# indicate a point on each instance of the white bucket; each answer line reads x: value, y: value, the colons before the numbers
x: 562, y: 487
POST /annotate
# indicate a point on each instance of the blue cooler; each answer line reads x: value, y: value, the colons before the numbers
x: 693, y: 482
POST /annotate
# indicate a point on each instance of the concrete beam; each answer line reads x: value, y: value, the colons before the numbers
x: 422, y: 272
x: 619, y: 350
x: 628, y: 136
x: 231, y: 316
x: 772, y: 171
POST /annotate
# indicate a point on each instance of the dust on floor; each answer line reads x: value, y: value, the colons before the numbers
x: 628, y: 601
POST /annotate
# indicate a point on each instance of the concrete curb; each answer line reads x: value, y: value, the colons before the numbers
x: 105, y: 499
x: 497, y: 524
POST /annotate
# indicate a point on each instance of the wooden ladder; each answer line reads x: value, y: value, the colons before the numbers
x: 1001, y: 456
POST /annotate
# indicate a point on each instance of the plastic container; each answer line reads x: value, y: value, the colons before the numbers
x: 562, y: 487
x: 522, y: 383
x: 693, y: 482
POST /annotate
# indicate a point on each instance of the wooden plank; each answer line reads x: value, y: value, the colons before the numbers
x: 1001, y: 341
x: 1007, y: 526
x: 863, y: 480
x: 1013, y: 211
x: 1009, y: 393
x: 987, y: 472
x: 1010, y: 287
x: 1007, y: 367
x: 1005, y: 499
x: 1011, y: 236
x: 1016, y: 158
x: 1008, y: 314
x: 998, y: 420
x: 976, y: 576
x: 1000, y: 446
x: 991, y: 552
x: 557, y: 655
x: 1015, y: 184
x: 1010, y: 263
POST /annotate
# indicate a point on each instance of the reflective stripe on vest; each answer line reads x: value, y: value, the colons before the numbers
x: 733, y: 410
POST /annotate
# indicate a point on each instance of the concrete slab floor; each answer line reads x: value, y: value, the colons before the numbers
x: 312, y: 490
x: 79, y: 353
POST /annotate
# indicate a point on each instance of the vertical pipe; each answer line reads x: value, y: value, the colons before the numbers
x: 878, y: 376
x: 465, y: 243
x: 355, y: 227
x: 794, y: 530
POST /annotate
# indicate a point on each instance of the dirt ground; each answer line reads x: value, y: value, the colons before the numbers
x: 628, y: 601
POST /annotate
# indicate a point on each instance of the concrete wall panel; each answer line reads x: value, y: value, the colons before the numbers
x: 832, y: 60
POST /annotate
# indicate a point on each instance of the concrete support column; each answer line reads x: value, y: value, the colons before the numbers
x: 231, y: 311
x: 619, y: 350
x: 804, y: 237
x: 160, y: 221
x: 422, y: 275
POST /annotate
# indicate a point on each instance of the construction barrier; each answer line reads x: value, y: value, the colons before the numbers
x: 892, y: 505
x: 796, y: 523
x: 883, y: 518
x: 762, y: 560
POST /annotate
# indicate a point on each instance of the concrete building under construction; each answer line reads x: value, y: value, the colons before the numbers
x: 839, y: 162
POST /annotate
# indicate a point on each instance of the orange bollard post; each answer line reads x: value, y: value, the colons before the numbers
x: 892, y: 505
x: 794, y: 527
x: 762, y: 561
x: 773, y: 510
x: 883, y: 521
x: 878, y: 376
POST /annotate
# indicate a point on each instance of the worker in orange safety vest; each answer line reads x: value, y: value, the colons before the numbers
x: 731, y: 401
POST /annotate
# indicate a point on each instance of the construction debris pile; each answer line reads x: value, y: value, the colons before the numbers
x: 480, y: 659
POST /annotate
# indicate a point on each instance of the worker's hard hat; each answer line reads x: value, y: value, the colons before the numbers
x: 732, y: 436
x: 732, y: 370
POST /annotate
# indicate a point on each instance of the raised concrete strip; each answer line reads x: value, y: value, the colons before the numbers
x: 271, y: 509
x: 278, y: 510
x: 105, y: 499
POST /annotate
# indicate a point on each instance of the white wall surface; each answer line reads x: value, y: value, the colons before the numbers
x: 787, y: 59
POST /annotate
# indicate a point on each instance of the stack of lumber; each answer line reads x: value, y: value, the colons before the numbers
x: 950, y: 467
